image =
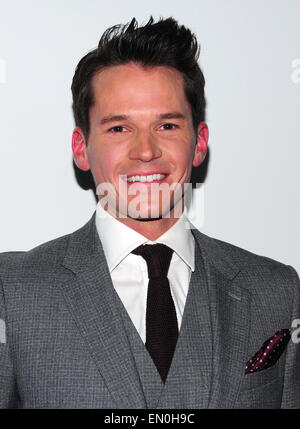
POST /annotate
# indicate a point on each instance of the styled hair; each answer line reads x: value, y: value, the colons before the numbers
x: 161, y: 43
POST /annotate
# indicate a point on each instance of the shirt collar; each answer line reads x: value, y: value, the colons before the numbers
x: 179, y: 238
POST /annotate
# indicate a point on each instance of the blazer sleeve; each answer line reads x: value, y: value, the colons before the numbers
x: 8, y: 390
x: 291, y: 388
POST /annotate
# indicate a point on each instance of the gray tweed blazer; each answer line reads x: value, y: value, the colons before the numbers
x: 66, y: 340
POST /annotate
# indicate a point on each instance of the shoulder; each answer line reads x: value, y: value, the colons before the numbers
x: 246, y: 259
x: 35, y: 260
x: 26, y: 278
x: 239, y: 256
x: 273, y: 287
x: 45, y: 257
x: 29, y: 281
x: 256, y: 271
x: 43, y: 266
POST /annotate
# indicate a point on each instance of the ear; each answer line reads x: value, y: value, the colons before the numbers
x: 201, y: 144
x: 79, y: 149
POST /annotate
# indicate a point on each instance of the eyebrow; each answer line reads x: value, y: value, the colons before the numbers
x: 118, y: 118
x: 115, y: 118
x: 172, y: 115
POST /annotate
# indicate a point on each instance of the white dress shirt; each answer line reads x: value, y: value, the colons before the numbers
x: 129, y: 272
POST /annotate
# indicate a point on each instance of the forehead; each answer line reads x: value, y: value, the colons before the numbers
x: 133, y: 86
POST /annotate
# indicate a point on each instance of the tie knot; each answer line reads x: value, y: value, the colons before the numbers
x: 157, y: 256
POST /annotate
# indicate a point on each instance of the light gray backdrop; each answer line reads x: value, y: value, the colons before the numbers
x: 251, y: 60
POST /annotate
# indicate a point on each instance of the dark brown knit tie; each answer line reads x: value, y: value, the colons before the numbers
x: 161, y: 320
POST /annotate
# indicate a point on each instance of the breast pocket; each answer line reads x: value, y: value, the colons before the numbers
x: 261, y: 390
x: 259, y: 378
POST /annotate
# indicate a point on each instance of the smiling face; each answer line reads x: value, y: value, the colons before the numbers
x: 140, y: 124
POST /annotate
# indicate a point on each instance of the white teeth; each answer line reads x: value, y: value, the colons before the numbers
x: 149, y: 178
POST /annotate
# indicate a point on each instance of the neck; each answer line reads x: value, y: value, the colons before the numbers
x: 151, y: 228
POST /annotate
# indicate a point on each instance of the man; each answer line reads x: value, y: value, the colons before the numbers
x: 138, y: 309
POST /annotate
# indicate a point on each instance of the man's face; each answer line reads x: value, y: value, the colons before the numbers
x: 140, y: 124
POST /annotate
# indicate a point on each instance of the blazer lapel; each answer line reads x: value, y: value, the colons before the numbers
x: 91, y: 299
x: 230, y: 317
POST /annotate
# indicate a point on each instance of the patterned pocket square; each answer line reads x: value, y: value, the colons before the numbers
x: 269, y: 353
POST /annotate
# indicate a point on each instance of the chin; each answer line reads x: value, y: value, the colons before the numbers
x: 150, y: 213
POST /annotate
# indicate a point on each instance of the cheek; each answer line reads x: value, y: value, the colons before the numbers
x: 182, y: 155
x: 184, y: 164
x: 105, y: 163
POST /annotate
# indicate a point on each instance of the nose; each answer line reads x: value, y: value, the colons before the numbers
x: 144, y: 148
